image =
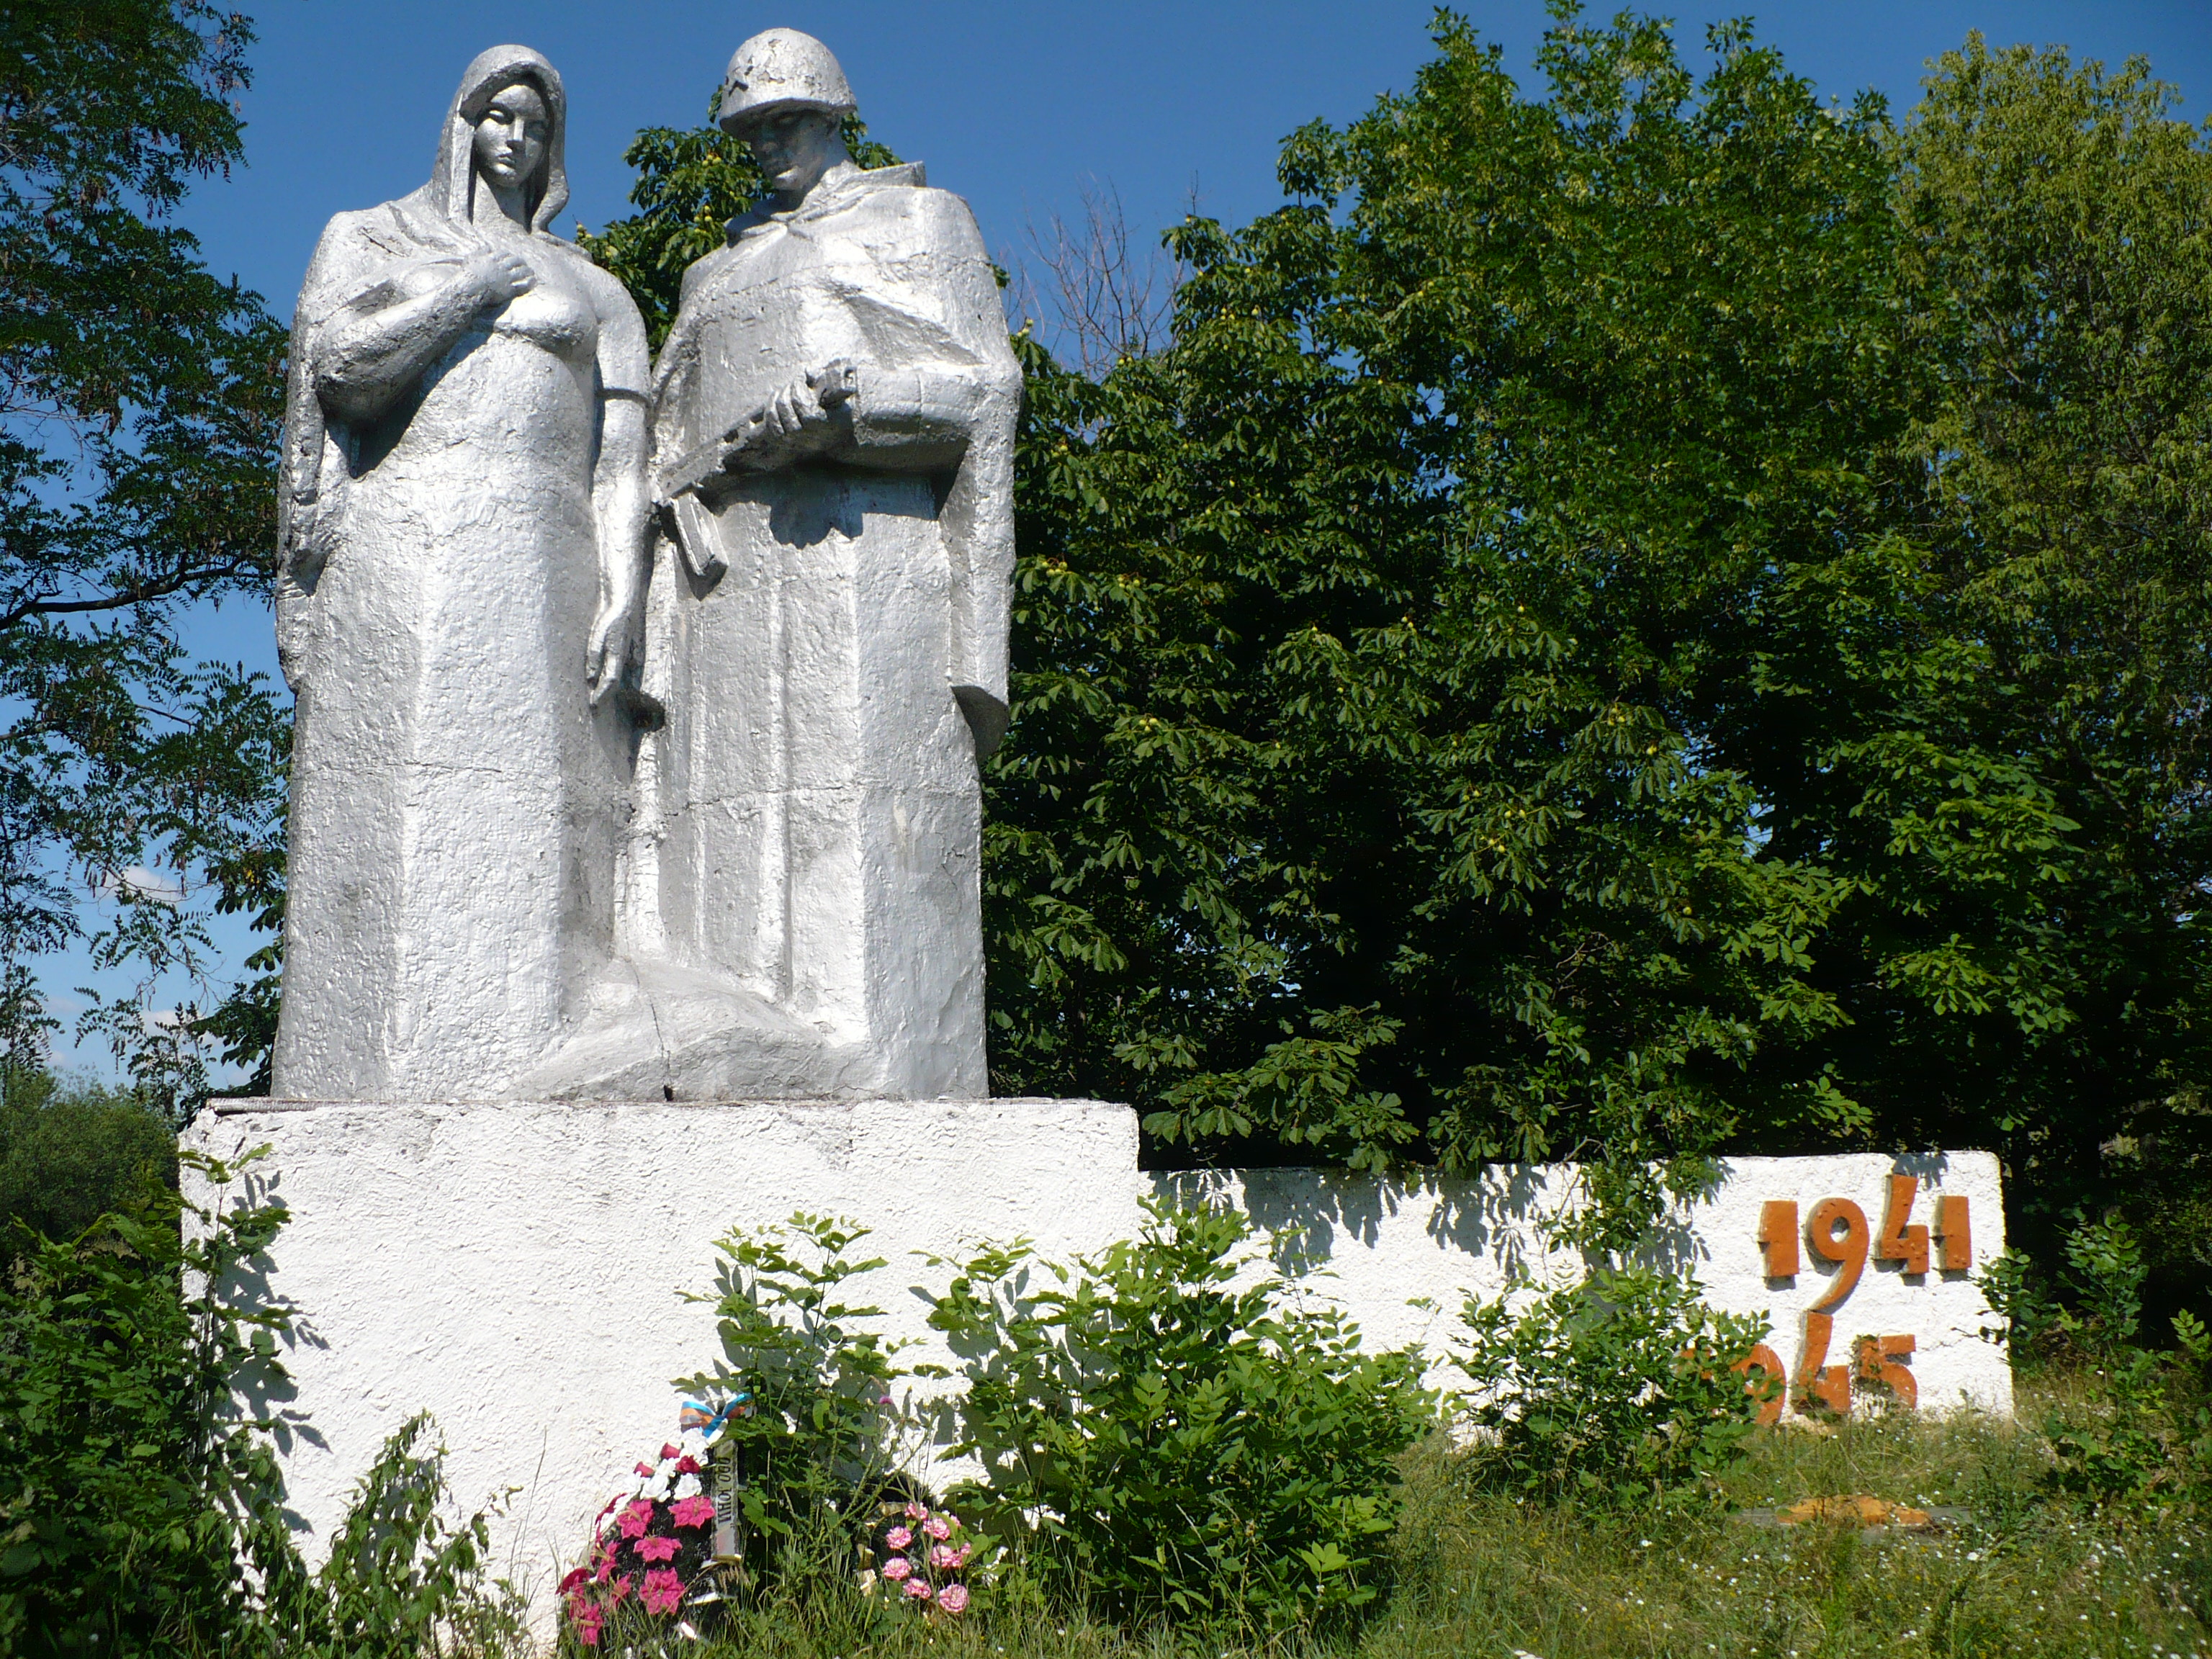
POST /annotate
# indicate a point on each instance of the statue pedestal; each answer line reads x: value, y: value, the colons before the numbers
x: 515, y: 1269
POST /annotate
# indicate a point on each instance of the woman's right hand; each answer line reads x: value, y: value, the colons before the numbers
x: 499, y: 277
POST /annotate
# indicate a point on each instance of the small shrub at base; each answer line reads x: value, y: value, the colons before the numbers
x: 1614, y: 1392
x: 1163, y: 1446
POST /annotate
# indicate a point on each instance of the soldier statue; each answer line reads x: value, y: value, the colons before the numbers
x: 833, y: 430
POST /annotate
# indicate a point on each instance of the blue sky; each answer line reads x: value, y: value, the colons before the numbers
x: 1012, y: 106
x: 1018, y: 107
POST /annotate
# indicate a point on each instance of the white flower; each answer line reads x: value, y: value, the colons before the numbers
x: 656, y: 1488
x: 687, y: 1485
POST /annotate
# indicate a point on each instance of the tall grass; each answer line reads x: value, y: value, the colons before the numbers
x: 1481, y: 1577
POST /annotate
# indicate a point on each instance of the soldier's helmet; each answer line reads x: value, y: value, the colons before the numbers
x: 778, y: 70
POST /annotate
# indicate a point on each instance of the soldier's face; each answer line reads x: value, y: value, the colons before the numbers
x: 511, y: 136
x: 794, y: 148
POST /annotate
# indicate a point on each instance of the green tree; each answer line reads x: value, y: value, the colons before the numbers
x: 1364, y: 793
x: 2021, y: 800
x: 1659, y: 617
x: 137, y: 439
x: 70, y: 1153
x: 1652, y: 615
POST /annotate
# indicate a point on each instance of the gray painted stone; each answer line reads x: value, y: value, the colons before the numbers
x: 827, y: 628
x: 464, y: 511
x: 505, y: 884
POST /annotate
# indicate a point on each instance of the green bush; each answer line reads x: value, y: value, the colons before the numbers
x: 1614, y: 1392
x: 2140, y: 1434
x: 1170, y: 1437
x: 813, y: 1420
x: 141, y: 1503
x: 128, y: 1492
x: 71, y: 1152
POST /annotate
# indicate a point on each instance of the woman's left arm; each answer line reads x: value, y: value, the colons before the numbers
x: 621, y: 498
x: 623, y: 506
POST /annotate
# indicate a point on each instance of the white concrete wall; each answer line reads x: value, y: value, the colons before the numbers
x: 516, y: 1269
x: 1387, y: 1246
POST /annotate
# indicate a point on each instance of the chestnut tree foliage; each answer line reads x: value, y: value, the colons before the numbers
x: 140, y: 397
x: 1645, y: 617
x: 1661, y: 617
x: 1374, y: 790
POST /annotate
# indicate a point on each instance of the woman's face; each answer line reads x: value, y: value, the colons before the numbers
x: 511, y: 136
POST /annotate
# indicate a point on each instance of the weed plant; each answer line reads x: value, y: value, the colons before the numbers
x: 1172, y: 1437
x: 809, y: 1385
x: 1482, y: 1574
x: 1622, y: 1391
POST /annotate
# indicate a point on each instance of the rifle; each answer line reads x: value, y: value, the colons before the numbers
x: 684, y: 513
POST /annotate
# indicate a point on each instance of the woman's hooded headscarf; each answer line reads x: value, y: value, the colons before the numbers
x: 353, y: 266
x: 448, y: 193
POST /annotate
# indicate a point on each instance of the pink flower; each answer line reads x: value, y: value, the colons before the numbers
x: 938, y: 1527
x: 899, y: 1537
x: 883, y: 1399
x: 588, y: 1620
x: 604, y: 1567
x: 659, y: 1549
x: 616, y: 1590
x: 688, y: 1465
x: 897, y: 1568
x: 918, y: 1587
x: 692, y: 1511
x: 644, y: 1470
x: 571, y: 1579
x: 667, y: 1452
x: 946, y: 1557
x: 637, y: 1517
x: 663, y: 1590
x: 916, y: 1512
x: 953, y: 1598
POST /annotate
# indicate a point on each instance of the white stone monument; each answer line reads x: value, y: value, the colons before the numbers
x: 515, y: 1269
x: 464, y: 508
x: 624, y: 911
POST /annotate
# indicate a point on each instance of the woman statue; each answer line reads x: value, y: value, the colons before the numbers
x: 463, y: 546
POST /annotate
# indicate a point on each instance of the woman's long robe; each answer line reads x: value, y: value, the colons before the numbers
x: 456, y: 804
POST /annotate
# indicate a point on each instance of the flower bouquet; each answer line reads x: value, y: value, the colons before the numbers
x: 650, y: 1552
x: 923, y: 1557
